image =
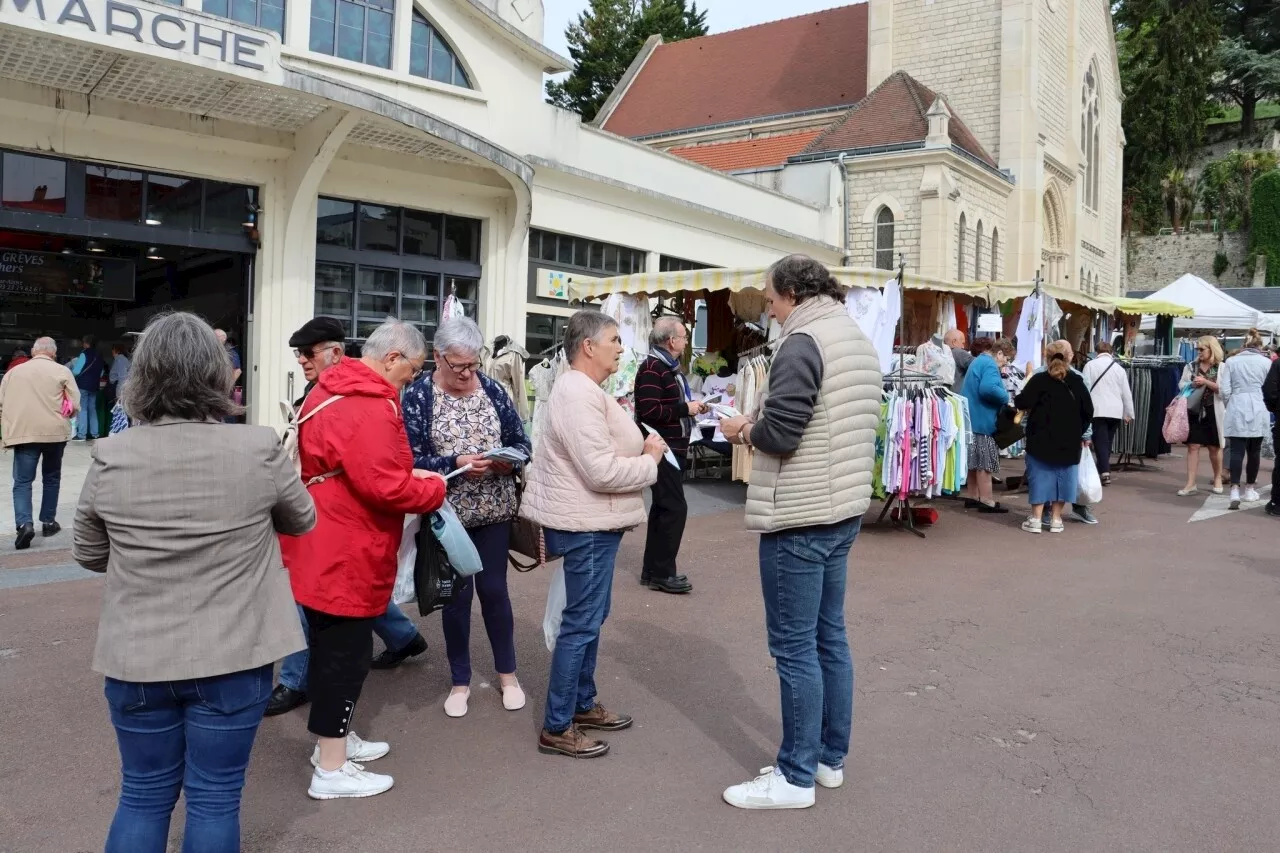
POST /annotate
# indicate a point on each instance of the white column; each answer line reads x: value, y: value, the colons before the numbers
x: 401, y: 33
x: 297, y: 24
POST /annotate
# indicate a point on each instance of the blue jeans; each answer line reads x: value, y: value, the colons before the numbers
x: 191, y: 737
x: 802, y: 575
x: 88, y: 417
x: 25, y: 457
x: 394, y: 629
x: 588, y: 583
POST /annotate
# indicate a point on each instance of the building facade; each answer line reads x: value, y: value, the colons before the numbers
x: 265, y: 161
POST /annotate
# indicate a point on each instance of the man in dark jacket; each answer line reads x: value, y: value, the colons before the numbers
x: 663, y: 402
x: 88, y: 368
x: 1271, y: 396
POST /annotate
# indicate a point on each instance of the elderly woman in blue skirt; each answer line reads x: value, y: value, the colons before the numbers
x: 1059, y: 410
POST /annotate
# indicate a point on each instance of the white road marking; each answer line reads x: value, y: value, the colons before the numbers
x: 1219, y: 505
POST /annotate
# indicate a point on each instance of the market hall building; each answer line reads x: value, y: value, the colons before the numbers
x: 264, y: 161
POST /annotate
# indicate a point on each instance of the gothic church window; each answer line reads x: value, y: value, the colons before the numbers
x: 884, y: 239
x: 977, y: 254
x: 960, y: 251
x: 995, y: 249
x: 1090, y: 134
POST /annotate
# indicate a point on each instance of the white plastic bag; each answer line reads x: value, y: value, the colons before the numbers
x: 1088, y: 483
x: 556, y: 600
x: 404, y: 591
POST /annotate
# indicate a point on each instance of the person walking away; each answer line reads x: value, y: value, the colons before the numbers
x: 1271, y: 399
x: 585, y: 488
x: 88, y: 369
x: 1112, y: 404
x: 810, y: 484
x: 1059, y: 410
x: 32, y: 423
x: 454, y: 415
x: 358, y: 467
x: 118, y: 373
x: 664, y: 402
x: 985, y: 391
x: 1206, y: 412
x: 195, y: 609
x: 963, y: 358
x: 1247, y: 419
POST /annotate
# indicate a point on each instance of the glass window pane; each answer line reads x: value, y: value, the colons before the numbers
x: 173, y: 201
x: 322, y: 24
x: 37, y: 184
x: 350, y: 31
x: 564, y: 250
x: 389, y: 5
x: 379, y: 228
x: 378, y: 44
x: 419, y: 46
x: 420, y: 311
x: 461, y: 239
x: 245, y: 11
x: 372, y: 304
x: 581, y: 252
x: 111, y: 193
x: 331, y: 303
x: 421, y: 284
x: 365, y: 328
x: 227, y: 207
x: 460, y: 75
x: 549, y: 247
x: 216, y: 7
x: 272, y: 16
x: 374, y: 280
x: 466, y: 289
x: 335, y: 277
x: 422, y: 233
x: 610, y: 259
x: 441, y: 60
x: 596, y: 259
x: 335, y: 223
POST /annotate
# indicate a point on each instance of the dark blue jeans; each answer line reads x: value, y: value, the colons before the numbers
x: 191, y: 737
x: 87, y: 420
x: 588, y: 583
x: 802, y: 575
x: 491, y: 540
x: 25, y: 457
x: 394, y: 629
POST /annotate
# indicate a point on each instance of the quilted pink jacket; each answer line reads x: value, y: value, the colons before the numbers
x: 588, y: 470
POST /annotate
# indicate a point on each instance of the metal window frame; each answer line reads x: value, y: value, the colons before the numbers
x: 456, y: 66
x: 364, y: 31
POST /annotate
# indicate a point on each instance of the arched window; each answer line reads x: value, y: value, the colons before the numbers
x: 995, y: 254
x: 960, y: 251
x: 1090, y: 135
x: 431, y: 56
x: 359, y: 30
x: 884, y: 239
x: 977, y: 253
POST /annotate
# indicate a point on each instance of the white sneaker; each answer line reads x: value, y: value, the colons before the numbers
x: 358, y: 749
x: 1235, y: 497
x: 1251, y: 494
x: 829, y: 777
x: 349, y: 780
x: 769, y: 790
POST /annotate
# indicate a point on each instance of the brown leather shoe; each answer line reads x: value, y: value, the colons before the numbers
x: 600, y: 717
x: 571, y: 742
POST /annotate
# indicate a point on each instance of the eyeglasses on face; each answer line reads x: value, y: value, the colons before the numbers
x: 469, y: 367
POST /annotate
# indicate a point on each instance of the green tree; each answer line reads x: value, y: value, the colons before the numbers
x: 1265, y: 238
x: 1178, y: 197
x: 606, y: 38
x: 1248, y: 56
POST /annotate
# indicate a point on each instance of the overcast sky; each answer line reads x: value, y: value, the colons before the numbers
x: 721, y: 14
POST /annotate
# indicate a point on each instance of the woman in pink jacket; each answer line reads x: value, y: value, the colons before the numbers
x: 584, y: 487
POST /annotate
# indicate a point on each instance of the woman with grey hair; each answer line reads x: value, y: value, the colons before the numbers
x: 454, y: 415
x: 181, y: 512
x: 585, y: 488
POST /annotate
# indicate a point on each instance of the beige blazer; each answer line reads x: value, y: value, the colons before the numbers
x: 182, y: 517
x: 31, y: 403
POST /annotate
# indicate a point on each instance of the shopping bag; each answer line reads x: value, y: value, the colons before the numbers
x: 434, y: 581
x: 1088, y: 483
x: 457, y: 543
x: 403, y: 592
x: 1177, y: 426
x: 556, y: 600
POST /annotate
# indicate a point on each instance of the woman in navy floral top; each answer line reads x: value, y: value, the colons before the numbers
x: 453, y: 416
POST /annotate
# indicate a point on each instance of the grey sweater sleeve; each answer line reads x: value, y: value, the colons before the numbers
x: 794, y: 380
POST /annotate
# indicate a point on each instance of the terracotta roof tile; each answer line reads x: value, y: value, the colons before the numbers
x: 893, y: 114
x: 748, y: 153
x: 789, y: 66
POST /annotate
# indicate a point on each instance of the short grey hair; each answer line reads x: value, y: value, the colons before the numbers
x: 584, y: 326
x: 395, y: 336
x: 664, y: 329
x: 45, y: 345
x: 180, y: 370
x: 461, y: 334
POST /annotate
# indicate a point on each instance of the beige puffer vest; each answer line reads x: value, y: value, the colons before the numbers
x: 828, y: 478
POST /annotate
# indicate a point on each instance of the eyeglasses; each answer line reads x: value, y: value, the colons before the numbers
x: 310, y: 352
x: 469, y: 367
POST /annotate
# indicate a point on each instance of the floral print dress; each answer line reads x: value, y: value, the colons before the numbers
x: 463, y: 426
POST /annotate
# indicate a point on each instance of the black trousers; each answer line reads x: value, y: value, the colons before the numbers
x: 1238, y: 449
x: 341, y: 651
x: 667, y: 516
x: 1275, y: 471
x: 1104, y: 432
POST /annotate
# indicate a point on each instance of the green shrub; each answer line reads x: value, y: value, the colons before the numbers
x: 1265, y: 236
x: 1220, y: 264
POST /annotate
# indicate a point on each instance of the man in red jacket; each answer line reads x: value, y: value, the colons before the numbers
x: 357, y: 464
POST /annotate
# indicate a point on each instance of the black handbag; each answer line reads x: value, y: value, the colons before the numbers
x: 435, y: 581
x: 527, y: 539
x: 1009, y: 429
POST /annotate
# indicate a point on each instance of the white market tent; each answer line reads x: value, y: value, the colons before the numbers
x: 1213, y: 308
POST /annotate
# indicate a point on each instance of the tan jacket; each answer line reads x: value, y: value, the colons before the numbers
x: 31, y: 402
x: 182, y: 517
x: 588, y: 472
x: 828, y: 477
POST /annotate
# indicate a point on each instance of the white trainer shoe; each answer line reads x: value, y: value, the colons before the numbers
x: 829, y: 777
x: 1251, y: 495
x: 1235, y: 497
x: 349, y: 780
x: 358, y: 749
x: 769, y: 790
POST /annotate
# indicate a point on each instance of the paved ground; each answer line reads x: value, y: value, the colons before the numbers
x: 1113, y: 688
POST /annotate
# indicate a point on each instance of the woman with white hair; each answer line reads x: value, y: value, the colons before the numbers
x: 358, y: 467
x: 454, y: 415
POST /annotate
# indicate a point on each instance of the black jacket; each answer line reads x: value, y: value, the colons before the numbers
x: 1271, y: 389
x: 1058, y: 413
x: 660, y: 402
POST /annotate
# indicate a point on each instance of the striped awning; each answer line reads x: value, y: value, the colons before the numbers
x: 750, y: 278
x: 1150, y: 306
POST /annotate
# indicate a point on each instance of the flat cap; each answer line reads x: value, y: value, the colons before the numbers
x: 318, y: 330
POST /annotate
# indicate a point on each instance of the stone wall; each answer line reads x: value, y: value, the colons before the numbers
x: 866, y: 188
x: 1153, y: 262
x: 981, y: 206
x: 1052, y: 81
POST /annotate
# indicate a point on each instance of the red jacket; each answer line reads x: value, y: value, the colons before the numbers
x: 346, y: 566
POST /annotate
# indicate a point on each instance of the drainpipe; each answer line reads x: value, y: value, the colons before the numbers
x: 844, y: 184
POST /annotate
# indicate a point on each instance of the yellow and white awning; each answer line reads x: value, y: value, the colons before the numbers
x: 750, y: 278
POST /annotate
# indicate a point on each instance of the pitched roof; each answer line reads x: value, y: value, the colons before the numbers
x: 789, y: 66
x: 748, y: 153
x: 893, y: 114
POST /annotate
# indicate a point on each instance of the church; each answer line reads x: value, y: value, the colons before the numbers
x: 979, y: 139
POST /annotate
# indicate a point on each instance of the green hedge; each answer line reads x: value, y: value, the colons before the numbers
x: 1265, y: 239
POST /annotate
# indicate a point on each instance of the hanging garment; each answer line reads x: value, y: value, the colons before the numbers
x: 507, y: 369
x: 886, y: 327
x: 865, y: 305
x: 1030, y: 333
